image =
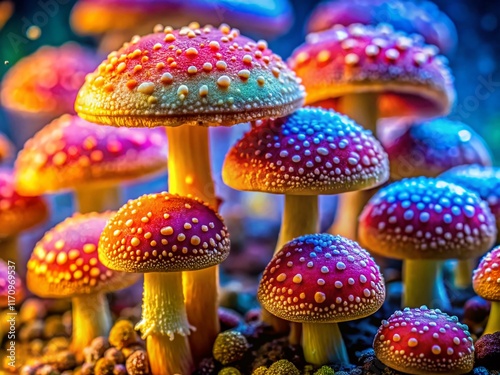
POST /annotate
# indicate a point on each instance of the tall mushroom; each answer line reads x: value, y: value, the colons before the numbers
x: 71, y: 153
x: 373, y: 72
x: 163, y: 235
x: 320, y: 280
x: 187, y: 80
x: 424, y: 221
x: 65, y: 263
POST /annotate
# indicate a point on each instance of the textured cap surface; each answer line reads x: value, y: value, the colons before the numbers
x: 320, y: 278
x: 486, y: 278
x: 197, y: 76
x: 164, y: 233
x: 311, y: 151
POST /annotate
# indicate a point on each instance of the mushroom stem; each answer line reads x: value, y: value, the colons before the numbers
x: 190, y: 173
x: 97, y: 199
x: 493, y: 324
x: 295, y: 334
x: 10, y: 248
x: 463, y: 272
x: 165, y: 325
x: 362, y: 108
x: 349, y: 208
x: 91, y: 319
x: 322, y: 343
x: 423, y: 283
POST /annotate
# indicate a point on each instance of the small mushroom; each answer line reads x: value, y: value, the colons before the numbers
x: 320, y: 280
x: 424, y: 221
x: 486, y: 283
x: 71, y: 153
x: 162, y: 235
x: 423, y: 341
x: 65, y: 263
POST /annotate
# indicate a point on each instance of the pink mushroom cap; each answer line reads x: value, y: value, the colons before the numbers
x: 426, y: 218
x: 423, y: 341
x: 486, y: 277
x: 321, y: 278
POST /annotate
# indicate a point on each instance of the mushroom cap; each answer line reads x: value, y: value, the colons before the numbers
x: 10, y: 281
x: 484, y: 181
x: 65, y: 262
x: 47, y: 81
x: 310, y: 152
x: 192, y: 76
x: 486, y: 277
x: 320, y: 278
x: 164, y: 233
x: 429, y: 148
x: 410, y: 78
x: 71, y: 152
x: 426, y: 218
x: 7, y: 148
x: 424, y: 341
x: 18, y: 212
x: 6, y: 10
x: 423, y: 18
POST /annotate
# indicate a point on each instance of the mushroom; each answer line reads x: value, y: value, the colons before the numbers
x: 320, y: 280
x: 423, y: 341
x: 11, y: 286
x: 65, y: 263
x: 486, y: 283
x: 6, y: 10
x: 17, y: 214
x: 6, y: 149
x: 43, y: 86
x: 162, y: 235
x: 424, y: 221
x: 423, y: 18
x: 431, y: 147
x: 187, y: 80
x: 71, y: 153
x: 485, y: 182
x: 374, y: 72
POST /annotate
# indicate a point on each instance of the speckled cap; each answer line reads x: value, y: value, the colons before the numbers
x: 423, y: 18
x: 47, y: 81
x: 65, y: 262
x: 10, y: 285
x: 71, y: 152
x: 410, y: 78
x: 164, y: 233
x: 486, y: 277
x: 18, y: 212
x: 320, y: 278
x: 192, y: 76
x: 310, y: 152
x: 430, y: 148
x: 426, y: 218
x: 423, y: 341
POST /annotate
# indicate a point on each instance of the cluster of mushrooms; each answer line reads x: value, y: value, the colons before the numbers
x: 313, y: 132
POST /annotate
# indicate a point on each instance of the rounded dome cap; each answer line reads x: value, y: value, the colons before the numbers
x: 18, y: 212
x: 196, y: 76
x: 10, y: 285
x: 47, y: 82
x: 426, y: 218
x: 71, y: 152
x: 409, y: 76
x: 320, y: 278
x: 486, y: 277
x: 311, y: 151
x: 65, y: 262
x: 423, y: 341
x: 432, y: 147
x: 423, y: 18
x: 164, y: 233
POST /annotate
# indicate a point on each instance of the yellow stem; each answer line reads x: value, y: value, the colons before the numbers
x: 97, y: 199
x: 463, y: 272
x: 10, y: 251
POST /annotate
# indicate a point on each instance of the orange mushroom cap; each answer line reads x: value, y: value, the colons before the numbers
x: 486, y: 278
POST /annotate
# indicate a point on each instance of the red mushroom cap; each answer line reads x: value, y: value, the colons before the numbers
x: 361, y: 59
x: 432, y: 147
x: 18, y: 212
x: 164, y: 233
x: 321, y: 278
x: 426, y: 218
x: 197, y: 76
x: 311, y: 151
x: 11, y: 285
x: 423, y: 341
x: 65, y: 262
x: 48, y: 81
x: 486, y: 277
x: 71, y: 152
